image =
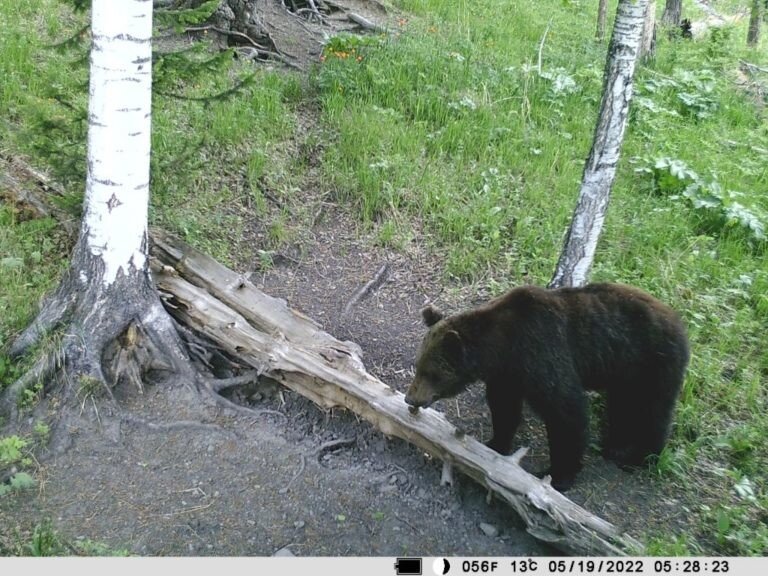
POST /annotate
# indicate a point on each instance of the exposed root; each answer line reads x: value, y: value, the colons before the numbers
x: 42, y: 370
x: 219, y: 384
x: 54, y: 312
x: 245, y: 410
x: 333, y: 445
x: 132, y: 354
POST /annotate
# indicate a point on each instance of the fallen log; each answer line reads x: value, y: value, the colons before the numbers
x: 288, y: 347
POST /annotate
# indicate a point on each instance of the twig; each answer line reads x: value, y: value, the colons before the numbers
x: 541, y: 44
x: 404, y: 521
x: 285, y: 488
x: 753, y: 66
x: 333, y: 444
x: 366, y: 290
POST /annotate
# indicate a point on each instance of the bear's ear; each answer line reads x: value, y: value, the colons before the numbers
x: 453, y: 345
x: 431, y: 315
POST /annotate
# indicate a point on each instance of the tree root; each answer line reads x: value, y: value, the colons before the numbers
x: 332, y: 445
x: 245, y: 410
x: 41, y: 371
x: 219, y: 384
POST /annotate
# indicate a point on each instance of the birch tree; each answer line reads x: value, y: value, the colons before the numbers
x: 110, y: 323
x: 600, y: 168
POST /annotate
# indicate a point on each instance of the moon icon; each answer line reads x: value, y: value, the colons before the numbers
x: 441, y: 566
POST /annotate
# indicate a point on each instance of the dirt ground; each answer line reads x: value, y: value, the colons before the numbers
x: 257, y: 485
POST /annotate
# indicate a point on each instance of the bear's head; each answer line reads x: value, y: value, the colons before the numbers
x: 441, y: 367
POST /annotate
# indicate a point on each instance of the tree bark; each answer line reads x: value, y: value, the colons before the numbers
x: 755, y: 18
x: 112, y: 324
x: 601, y: 15
x: 648, y: 42
x: 673, y: 13
x: 600, y: 169
x: 282, y: 345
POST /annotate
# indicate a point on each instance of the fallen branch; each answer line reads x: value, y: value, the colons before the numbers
x: 264, y: 333
x: 365, y: 23
x: 373, y: 284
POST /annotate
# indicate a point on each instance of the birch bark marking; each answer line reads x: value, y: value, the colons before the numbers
x: 600, y: 168
x: 119, y: 112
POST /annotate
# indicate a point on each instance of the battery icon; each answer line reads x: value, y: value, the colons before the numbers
x: 408, y: 566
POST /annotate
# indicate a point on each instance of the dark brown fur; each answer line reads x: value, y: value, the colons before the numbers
x: 547, y: 347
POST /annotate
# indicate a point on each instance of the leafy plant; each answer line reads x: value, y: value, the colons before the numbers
x: 720, y: 209
x: 11, y: 456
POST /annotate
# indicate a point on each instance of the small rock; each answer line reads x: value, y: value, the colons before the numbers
x: 284, y: 552
x: 298, y: 524
x: 420, y: 493
x: 489, y: 529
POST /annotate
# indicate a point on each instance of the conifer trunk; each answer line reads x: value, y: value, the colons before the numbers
x: 673, y: 12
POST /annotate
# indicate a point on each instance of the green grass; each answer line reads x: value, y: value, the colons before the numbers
x: 447, y: 133
x: 450, y: 123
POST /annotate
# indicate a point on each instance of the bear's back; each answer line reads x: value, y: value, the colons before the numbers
x: 615, y: 329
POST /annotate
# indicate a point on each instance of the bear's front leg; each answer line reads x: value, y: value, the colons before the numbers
x: 506, y: 411
x: 567, y: 425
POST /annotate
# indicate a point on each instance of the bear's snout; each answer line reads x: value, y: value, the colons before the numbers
x: 420, y: 396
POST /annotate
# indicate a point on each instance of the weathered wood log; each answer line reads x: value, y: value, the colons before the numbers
x: 286, y: 346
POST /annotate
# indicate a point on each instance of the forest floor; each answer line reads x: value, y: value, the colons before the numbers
x: 256, y: 486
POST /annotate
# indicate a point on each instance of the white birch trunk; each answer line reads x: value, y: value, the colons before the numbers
x: 600, y: 169
x: 108, y: 292
x: 119, y: 120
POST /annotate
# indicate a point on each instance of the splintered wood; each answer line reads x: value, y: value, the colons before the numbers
x: 264, y: 333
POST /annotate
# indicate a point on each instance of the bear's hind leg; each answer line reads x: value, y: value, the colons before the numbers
x: 622, y: 426
x: 639, y: 417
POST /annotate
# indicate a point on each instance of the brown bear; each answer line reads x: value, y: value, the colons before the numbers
x: 547, y: 346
